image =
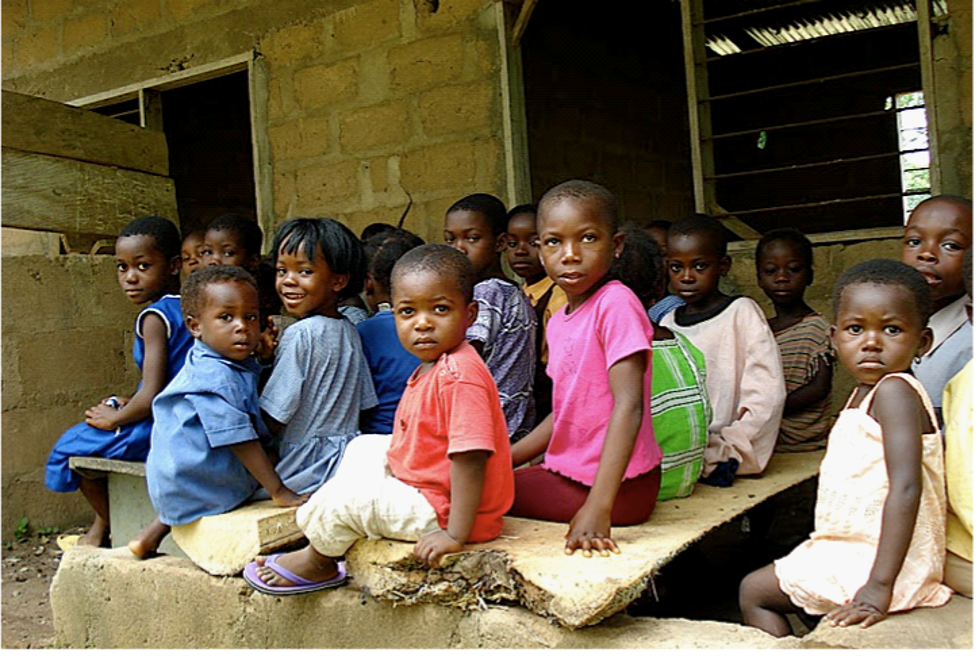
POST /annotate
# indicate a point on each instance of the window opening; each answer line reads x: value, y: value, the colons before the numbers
x: 912, y: 126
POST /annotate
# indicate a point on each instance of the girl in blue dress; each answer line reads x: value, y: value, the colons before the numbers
x: 148, y: 266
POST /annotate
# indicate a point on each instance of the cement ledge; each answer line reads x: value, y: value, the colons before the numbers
x: 105, y: 598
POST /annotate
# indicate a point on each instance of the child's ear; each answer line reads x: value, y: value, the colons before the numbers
x: 472, y: 311
x: 193, y: 325
x: 725, y: 265
x: 501, y: 243
x: 175, y: 265
x: 340, y: 280
x: 927, y: 337
x: 369, y: 285
x: 832, y: 336
x: 618, y: 242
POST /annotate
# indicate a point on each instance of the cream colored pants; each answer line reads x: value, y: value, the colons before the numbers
x: 364, y: 500
x: 958, y: 574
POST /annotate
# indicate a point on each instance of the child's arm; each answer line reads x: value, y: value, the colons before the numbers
x: 817, y: 389
x: 591, y: 527
x: 257, y: 462
x: 466, y: 473
x: 534, y: 443
x: 154, y: 380
x: 898, y: 410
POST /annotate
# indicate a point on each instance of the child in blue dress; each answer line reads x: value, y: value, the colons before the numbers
x: 207, y: 456
x: 148, y: 266
x: 320, y: 382
x: 390, y: 364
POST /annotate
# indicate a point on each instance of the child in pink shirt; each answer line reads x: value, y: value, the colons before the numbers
x: 601, y: 461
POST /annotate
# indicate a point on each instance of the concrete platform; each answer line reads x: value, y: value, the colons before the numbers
x: 107, y: 599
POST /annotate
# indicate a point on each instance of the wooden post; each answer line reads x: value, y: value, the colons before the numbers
x: 926, y: 56
x: 698, y: 107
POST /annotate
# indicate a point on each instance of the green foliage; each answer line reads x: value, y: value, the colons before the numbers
x: 20, y: 531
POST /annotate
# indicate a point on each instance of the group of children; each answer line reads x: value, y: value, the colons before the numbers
x: 584, y: 397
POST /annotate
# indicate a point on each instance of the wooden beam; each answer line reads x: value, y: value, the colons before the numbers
x: 698, y: 107
x: 926, y: 57
x: 521, y: 25
x: 41, y: 192
x: 733, y: 223
x: 43, y: 126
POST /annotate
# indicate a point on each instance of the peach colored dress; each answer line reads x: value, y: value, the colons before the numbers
x: 829, y: 568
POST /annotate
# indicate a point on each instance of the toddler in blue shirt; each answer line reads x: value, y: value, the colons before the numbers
x: 206, y: 455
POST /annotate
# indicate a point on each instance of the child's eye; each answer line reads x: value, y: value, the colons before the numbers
x: 206, y: 251
x: 550, y: 241
x: 448, y: 238
x: 892, y: 330
x: 405, y: 312
x: 143, y: 266
x: 913, y: 242
x: 952, y: 246
x: 225, y: 317
x: 511, y: 244
x: 472, y: 239
x: 228, y: 254
x: 251, y: 317
x: 306, y: 272
x: 701, y: 266
x: 441, y: 309
x: 535, y: 243
x: 280, y: 271
x: 854, y: 330
x: 675, y: 267
x: 120, y: 267
x: 589, y: 238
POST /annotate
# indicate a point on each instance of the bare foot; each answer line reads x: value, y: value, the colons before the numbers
x: 306, y: 563
x: 96, y: 534
x: 148, y: 541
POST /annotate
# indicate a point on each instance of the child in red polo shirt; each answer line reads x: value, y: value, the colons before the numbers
x: 444, y: 477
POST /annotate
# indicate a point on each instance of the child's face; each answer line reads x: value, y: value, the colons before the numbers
x: 878, y: 331
x: 935, y: 239
x: 145, y: 274
x: 430, y: 313
x: 308, y: 288
x: 695, y: 269
x: 471, y: 234
x: 190, y: 256
x: 783, y: 273
x: 225, y: 247
x: 577, y: 247
x: 229, y: 319
x: 522, y: 248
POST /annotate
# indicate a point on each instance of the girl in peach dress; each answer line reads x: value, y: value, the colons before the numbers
x: 878, y: 544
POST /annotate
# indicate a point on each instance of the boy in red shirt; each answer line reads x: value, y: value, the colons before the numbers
x: 444, y: 477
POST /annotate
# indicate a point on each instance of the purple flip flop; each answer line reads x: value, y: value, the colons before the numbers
x: 301, y: 586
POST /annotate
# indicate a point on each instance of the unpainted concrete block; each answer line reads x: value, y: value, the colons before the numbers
x: 326, y: 185
x: 947, y: 627
x: 460, y: 108
x: 427, y: 63
x: 442, y: 166
x: 84, y: 32
x: 134, y: 16
x: 367, y: 24
x: 369, y: 128
x: 320, y: 86
x: 39, y: 46
x: 294, y: 44
x: 312, y: 136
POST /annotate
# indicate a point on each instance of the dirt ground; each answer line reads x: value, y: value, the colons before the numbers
x: 27, y: 568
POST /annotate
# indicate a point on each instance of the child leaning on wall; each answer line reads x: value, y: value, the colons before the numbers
x: 744, y: 370
x: 148, y: 267
x: 783, y: 263
x: 443, y: 478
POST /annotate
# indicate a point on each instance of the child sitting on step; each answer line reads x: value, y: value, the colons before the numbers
x: 443, y: 478
x: 148, y: 268
x: 879, y: 542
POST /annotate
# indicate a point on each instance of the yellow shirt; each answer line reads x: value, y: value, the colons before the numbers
x: 957, y: 403
x: 558, y: 298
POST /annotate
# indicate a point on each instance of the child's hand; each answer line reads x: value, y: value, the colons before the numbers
x: 268, y: 341
x: 436, y: 544
x: 864, y: 609
x: 102, y: 416
x: 287, y: 498
x: 589, y: 531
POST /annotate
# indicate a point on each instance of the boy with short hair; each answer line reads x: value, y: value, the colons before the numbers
x: 744, y: 370
x: 503, y: 333
x: 444, y: 478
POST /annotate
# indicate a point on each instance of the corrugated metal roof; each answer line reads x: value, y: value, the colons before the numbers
x: 732, y: 26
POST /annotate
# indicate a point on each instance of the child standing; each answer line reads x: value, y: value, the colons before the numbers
x: 389, y: 362
x: 504, y: 330
x: 879, y: 541
x: 443, y: 479
x: 938, y: 233
x: 148, y: 267
x: 744, y: 371
x: 678, y: 401
x: 320, y: 382
x: 207, y: 457
x: 601, y: 462
x: 544, y: 294
x: 783, y: 262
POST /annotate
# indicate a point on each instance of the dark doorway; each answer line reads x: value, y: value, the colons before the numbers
x: 606, y: 101
x: 209, y: 137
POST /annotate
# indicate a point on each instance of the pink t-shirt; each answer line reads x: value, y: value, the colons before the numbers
x: 609, y: 326
x: 454, y: 407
